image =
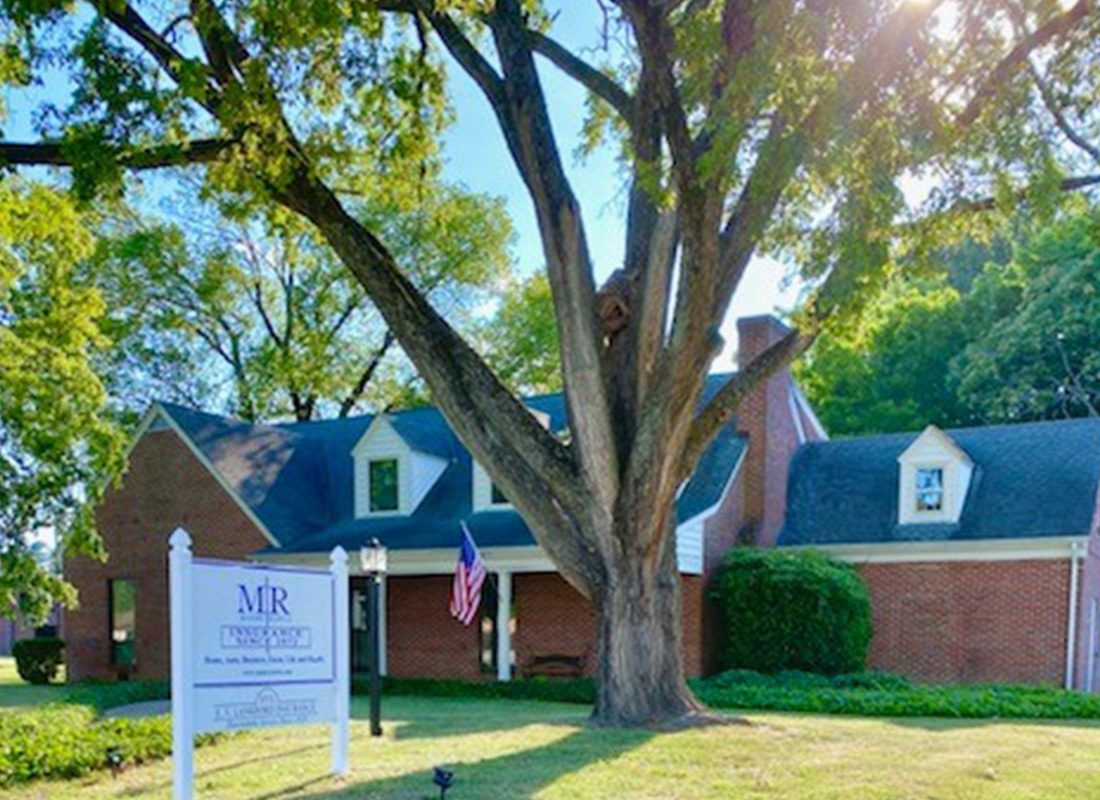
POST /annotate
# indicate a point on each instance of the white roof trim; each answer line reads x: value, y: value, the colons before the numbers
x: 195, y: 451
x: 944, y: 438
x: 808, y: 410
x: 796, y: 417
x: 1026, y: 549
x: 709, y: 512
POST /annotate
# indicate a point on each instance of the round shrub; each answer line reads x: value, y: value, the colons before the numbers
x: 793, y: 610
x: 37, y: 660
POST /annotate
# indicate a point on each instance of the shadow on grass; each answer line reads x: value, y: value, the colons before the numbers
x: 427, y: 718
x: 516, y: 776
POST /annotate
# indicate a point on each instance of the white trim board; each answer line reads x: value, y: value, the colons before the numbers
x: 436, y: 561
x: 1037, y: 548
x: 143, y: 428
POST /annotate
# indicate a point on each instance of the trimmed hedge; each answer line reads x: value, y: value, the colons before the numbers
x: 871, y: 694
x: 38, y: 660
x: 792, y: 610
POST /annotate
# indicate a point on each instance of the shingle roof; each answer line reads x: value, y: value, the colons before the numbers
x: 298, y: 478
x: 1030, y: 480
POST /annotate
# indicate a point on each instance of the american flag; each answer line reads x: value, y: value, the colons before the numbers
x: 469, y: 577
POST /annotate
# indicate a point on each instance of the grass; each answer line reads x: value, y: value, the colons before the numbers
x: 525, y: 749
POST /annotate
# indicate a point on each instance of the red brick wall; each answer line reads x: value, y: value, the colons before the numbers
x: 165, y: 487
x: 766, y: 417
x: 552, y: 618
x: 422, y: 639
x: 969, y: 621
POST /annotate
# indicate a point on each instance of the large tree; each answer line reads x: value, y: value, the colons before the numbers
x: 744, y: 125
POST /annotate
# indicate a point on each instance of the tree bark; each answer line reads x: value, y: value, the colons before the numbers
x: 640, y: 671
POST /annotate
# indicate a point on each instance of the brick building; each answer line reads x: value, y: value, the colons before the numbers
x: 289, y: 493
x: 978, y: 545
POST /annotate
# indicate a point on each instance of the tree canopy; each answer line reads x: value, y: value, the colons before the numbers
x: 1000, y: 334
x: 58, y: 445
x: 262, y: 314
x: 792, y: 128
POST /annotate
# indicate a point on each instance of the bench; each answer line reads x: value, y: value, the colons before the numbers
x: 554, y: 666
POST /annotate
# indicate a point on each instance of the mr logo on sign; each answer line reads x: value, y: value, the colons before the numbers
x: 262, y: 599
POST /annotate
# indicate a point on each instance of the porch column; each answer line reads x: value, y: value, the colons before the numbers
x: 504, y: 626
x: 382, y: 624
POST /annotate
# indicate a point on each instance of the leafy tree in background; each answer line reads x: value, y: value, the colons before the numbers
x: 58, y: 446
x: 744, y: 127
x: 1007, y: 333
x: 1040, y: 356
x: 266, y: 309
x: 520, y: 341
x: 890, y: 373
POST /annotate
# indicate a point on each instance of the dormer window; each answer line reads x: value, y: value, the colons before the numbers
x: 934, y: 479
x: 383, y: 477
x: 392, y: 476
x: 929, y: 489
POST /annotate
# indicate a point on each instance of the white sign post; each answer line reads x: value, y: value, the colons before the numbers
x: 255, y: 646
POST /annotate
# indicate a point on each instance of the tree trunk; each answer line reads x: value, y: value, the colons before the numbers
x: 640, y: 679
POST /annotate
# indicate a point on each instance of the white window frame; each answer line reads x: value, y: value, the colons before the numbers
x: 396, y: 459
x: 917, y: 491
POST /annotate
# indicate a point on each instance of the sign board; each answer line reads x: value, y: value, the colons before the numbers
x: 255, y: 646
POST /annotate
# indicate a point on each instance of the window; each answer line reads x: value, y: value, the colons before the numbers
x: 929, y: 489
x: 123, y: 619
x: 383, y: 485
x: 496, y: 496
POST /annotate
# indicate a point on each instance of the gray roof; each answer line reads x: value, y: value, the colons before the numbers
x: 1030, y: 480
x: 298, y: 478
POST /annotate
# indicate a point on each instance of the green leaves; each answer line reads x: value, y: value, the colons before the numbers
x: 58, y: 446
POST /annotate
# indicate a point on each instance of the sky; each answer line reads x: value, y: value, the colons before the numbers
x: 476, y: 157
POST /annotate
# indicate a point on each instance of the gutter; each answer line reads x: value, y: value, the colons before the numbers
x: 1071, y: 617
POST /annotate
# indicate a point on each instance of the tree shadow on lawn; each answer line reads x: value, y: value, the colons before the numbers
x: 431, y: 718
x: 517, y: 775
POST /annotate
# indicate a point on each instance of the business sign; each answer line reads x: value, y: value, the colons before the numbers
x: 255, y: 646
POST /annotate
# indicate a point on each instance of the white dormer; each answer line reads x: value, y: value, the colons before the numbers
x: 487, y: 496
x: 933, y: 479
x: 390, y: 477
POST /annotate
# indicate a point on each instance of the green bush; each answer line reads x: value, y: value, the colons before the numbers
x: 792, y: 610
x: 67, y: 741
x: 38, y: 660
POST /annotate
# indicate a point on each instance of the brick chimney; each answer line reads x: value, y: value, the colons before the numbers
x: 776, y: 423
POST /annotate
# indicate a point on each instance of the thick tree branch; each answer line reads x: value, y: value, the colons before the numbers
x: 159, y: 156
x: 129, y: 21
x: 722, y: 407
x: 584, y: 73
x: 1016, y: 58
x: 1059, y: 115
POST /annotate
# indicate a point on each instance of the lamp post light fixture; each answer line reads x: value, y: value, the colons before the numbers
x: 372, y: 558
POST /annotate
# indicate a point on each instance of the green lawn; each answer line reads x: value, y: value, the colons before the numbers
x: 14, y: 691
x: 522, y: 749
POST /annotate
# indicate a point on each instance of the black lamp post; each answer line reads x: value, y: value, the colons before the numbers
x: 372, y: 557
